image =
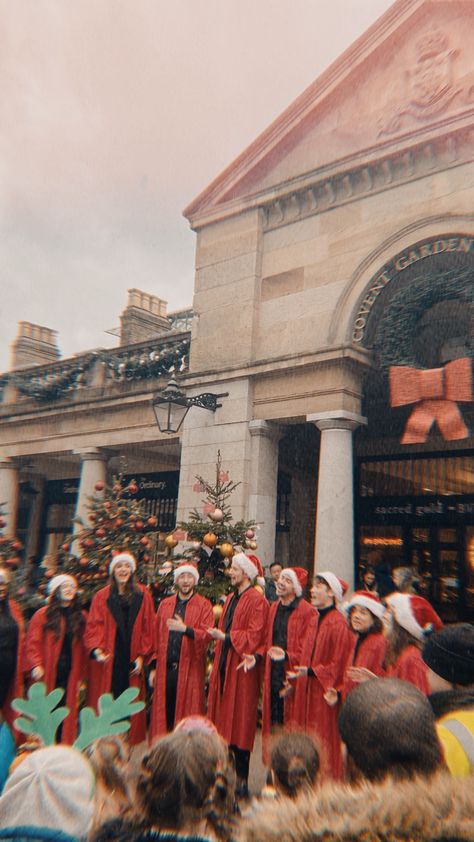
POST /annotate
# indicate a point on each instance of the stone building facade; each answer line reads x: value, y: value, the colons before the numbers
x: 337, y: 247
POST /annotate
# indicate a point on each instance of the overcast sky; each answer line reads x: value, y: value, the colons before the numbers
x: 115, y: 115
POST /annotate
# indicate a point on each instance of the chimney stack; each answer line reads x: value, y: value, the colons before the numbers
x: 34, y: 345
x: 143, y: 318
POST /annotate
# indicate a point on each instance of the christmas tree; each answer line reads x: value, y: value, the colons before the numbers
x: 117, y: 522
x: 213, y: 535
x: 10, y: 560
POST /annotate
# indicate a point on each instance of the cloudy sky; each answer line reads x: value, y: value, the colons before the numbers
x: 115, y: 115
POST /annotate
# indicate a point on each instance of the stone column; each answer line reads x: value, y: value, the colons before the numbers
x: 334, y: 546
x: 263, y: 485
x: 9, y: 490
x: 93, y: 469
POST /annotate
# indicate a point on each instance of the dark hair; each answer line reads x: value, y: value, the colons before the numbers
x: 187, y: 777
x: 275, y: 564
x: 129, y: 590
x: 388, y: 727
x: 109, y: 757
x: 377, y: 625
x: 74, y: 617
x: 397, y: 641
x: 294, y: 763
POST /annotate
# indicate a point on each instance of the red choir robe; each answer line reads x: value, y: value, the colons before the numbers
x: 302, y: 625
x: 233, y: 707
x: 100, y: 634
x: 42, y: 649
x: 16, y: 687
x: 334, y: 642
x: 411, y: 667
x: 370, y: 654
x: 192, y: 661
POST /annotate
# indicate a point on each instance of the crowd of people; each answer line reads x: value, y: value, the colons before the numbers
x: 354, y: 691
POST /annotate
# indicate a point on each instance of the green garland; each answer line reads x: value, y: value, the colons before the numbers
x: 399, y: 324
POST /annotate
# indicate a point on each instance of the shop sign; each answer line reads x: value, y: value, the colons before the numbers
x: 155, y: 486
x: 404, y: 509
x: 463, y: 245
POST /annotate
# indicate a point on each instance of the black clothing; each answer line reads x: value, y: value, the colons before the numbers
x: 65, y: 656
x: 277, y: 676
x: 9, y: 634
x: 124, y: 609
x: 270, y: 590
x: 175, y: 641
x: 226, y: 644
x: 323, y: 612
x: 449, y: 700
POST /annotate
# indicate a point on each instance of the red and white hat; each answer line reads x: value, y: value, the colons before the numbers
x: 299, y: 577
x: 258, y: 565
x: 60, y: 579
x: 414, y: 614
x: 365, y: 599
x: 123, y: 558
x: 337, y: 585
x: 186, y: 567
x: 246, y: 564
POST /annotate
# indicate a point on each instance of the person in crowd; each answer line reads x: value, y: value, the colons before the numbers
x: 368, y: 581
x: 408, y: 620
x: 400, y: 791
x: 406, y: 580
x: 185, y: 792
x: 181, y: 642
x: 290, y: 633
x: 383, y: 574
x: 271, y: 581
x: 388, y: 728
x: 364, y: 613
x: 294, y: 765
x: 234, y: 692
x: 119, y: 638
x: 49, y: 795
x: 449, y: 656
x: 114, y: 796
x: 333, y: 643
x: 11, y: 649
x: 54, y: 647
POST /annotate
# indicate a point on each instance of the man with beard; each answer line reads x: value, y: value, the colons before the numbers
x: 233, y: 692
x: 180, y: 646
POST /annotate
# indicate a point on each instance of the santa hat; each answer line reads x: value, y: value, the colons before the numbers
x: 186, y: 567
x: 258, y: 564
x: 337, y: 585
x: 246, y: 565
x: 123, y: 558
x: 414, y: 614
x: 365, y: 599
x: 60, y: 579
x: 298, y: 576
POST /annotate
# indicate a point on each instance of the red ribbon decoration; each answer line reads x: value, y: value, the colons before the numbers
x: 436, y: 391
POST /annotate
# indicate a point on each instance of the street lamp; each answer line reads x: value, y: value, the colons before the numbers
x: 171, y: 405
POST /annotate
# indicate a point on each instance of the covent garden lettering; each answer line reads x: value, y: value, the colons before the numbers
x: 392, y: 270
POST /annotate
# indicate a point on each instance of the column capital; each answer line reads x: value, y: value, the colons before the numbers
x: 91, y: 454
x: 337, y: 420
x: 265, y: 428
x: 8, y: 463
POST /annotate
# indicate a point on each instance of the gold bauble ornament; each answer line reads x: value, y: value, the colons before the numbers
x: 217, y: 611
x: 226, y: 550
x: 171, y: 542
x: 210, y: 540
x: 217, y: 515
x: 252, y: 545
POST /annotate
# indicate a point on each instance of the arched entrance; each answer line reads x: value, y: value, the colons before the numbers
x: 414, y: 499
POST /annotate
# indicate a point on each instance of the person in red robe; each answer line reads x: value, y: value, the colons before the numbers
x: 331, y: 648
x: 119, y: 638
x: 234, y: 691
x: 364, y: 613
x: 181, y: 642
x: 291, y: 628
x: 11, y: 649
x: 54, y: 648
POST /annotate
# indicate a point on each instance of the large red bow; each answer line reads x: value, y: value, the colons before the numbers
x: 436, y: 391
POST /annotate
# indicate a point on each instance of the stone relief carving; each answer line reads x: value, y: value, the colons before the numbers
x: 430, y: 83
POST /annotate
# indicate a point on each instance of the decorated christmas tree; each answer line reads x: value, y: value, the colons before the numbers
x: 117, y: 522
x: 10, y: 559
x: 214, y: 537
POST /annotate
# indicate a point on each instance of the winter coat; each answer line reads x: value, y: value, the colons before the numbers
x: 34, y: 834
x: 435, y: 809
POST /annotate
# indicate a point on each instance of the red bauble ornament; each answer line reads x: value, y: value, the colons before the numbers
x: 250, y: 534
x: 116, y: 552
x: 152, y: 521
x: 144, y: 541
x: 92, y: 517
x: 66, y: 548
x: 88, y: 543
x: 118, y: 523
x: 99, y: 486
x: 107, y: 505
x: 83, y: 561
x: 146, y: 558
x: 17, y: 545
x: 117, y: 488
x: 133, y: 488
x: 100, y: 532
x: 138, y: 525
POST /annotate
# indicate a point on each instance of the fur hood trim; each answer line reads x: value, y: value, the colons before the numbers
x: 438, y: 809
